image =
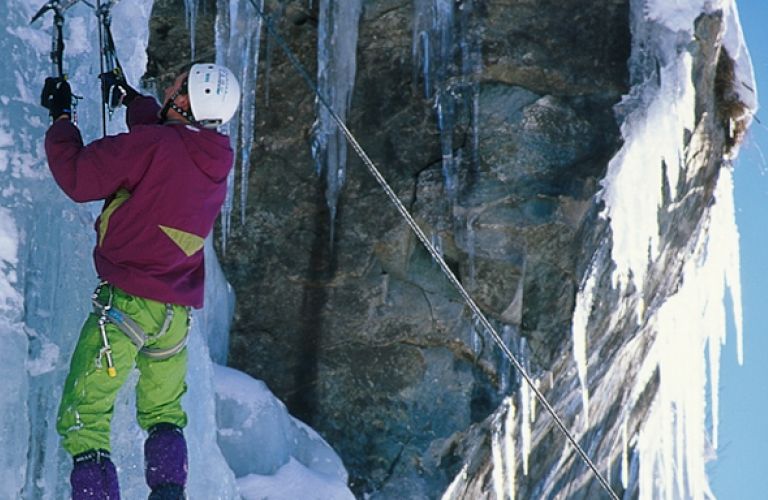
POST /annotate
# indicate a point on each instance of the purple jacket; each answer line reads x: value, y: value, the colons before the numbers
x: 163, y: 187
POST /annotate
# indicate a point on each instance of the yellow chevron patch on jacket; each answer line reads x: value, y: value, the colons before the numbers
x: 120, y: 197
x: 189, y: 243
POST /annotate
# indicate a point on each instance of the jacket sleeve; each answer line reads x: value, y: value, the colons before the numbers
x: 143, y: 110
x: 98, y: 170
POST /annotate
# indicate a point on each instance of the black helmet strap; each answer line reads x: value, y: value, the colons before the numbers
x: 171, y: 104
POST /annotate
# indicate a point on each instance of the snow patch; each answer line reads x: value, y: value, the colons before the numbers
x: 293, y: 480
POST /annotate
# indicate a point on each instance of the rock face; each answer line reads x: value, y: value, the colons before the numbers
x: 362, y: 336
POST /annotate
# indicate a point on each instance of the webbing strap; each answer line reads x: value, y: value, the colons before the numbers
x: 126, y: 325
x: 165, y: 353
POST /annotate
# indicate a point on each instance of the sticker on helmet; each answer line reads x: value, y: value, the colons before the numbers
x: 222, y: 84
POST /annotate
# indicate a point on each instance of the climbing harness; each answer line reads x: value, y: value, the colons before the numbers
x: 108, y: 313
x: 113, y: 96
x: 478, y: 314
x: 57, y: 41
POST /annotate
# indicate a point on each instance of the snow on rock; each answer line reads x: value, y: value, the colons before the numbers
x: 734, y: 43
x: 653, y: 133
x: 273, y: 455
x: 677, y: 15
x: 672, y: 444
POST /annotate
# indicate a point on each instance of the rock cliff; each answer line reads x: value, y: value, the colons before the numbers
x: 351, y: 323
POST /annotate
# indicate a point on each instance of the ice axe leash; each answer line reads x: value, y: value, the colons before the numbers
x: 112, y: 97
x: 58, y: 8
x: 478, y: 314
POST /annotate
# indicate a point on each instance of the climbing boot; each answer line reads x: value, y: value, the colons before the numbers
x: 94, y: 477
x: 165, y: 458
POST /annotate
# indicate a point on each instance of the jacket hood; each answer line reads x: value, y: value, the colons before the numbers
x: 210, y: 151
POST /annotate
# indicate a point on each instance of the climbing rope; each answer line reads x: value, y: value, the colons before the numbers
x: 430, y: 247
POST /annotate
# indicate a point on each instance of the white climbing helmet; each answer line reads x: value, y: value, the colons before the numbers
x: 214, y: 93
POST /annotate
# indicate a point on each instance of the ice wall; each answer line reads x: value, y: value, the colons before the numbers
x: 47, y: 271
x: 47, y: 274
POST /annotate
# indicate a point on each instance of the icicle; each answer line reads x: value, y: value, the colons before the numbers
x: 432, y: 48
x: 474, y: 338
x: 336, y: 68
x: 227, y: 35
x: 226, y: 211
x: 505, y: 367
x: 455, y: 90
x: 238, y: 36
x: 581, y: 313
x: 510, y: 462
x: 471, y: 68
x: 498, y: 458
x: 249, y: 78
x: 424, y: 42
x: 384, y: 288
x: 475, y: 124
x: 445, y: 119
x: 624, y: 454
x: 445, y: 99
x: 535, y: 401
x: 420, y: 46
x: 191, y: 11
x: 724, y: 218
x: 503, y: 452
x: 437, y: 242
x: 525, y: 407
x: 525, y: 424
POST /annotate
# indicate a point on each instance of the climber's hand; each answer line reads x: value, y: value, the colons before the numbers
x: 115, y: 90
x: 56, y: 97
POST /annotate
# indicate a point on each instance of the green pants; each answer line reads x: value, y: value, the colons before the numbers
x: 89, y: 395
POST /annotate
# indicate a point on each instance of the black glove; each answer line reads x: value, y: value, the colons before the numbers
x: 115, y: 90
x: 56, y: 97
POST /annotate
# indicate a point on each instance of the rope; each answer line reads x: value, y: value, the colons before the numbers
x: 431, y: 249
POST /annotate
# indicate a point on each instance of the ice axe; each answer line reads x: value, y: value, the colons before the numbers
x: 57, y: 47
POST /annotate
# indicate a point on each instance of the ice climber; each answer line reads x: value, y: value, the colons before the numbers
x: 163, y: 184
